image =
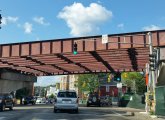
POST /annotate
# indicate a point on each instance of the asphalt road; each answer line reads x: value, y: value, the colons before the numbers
x: 45, y: 112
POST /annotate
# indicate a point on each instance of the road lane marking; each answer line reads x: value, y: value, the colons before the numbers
x: 116, y: 113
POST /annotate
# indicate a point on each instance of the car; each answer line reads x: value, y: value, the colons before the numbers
x: 93, y: 99
x: 105, y: 101
x: 29, y: 100
x: 115, y: 101
x: 40, y: 100
x: 6, y: 101
x: 66, y: 100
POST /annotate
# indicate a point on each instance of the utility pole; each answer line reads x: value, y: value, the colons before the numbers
x: 151, y: 72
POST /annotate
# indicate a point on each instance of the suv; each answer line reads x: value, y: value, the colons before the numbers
x: 29, y: 100
x: 66, y: 100
x: 93, y: 99
x: 6, y: 101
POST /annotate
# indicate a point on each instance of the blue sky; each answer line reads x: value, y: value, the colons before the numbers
x: 31, y: 20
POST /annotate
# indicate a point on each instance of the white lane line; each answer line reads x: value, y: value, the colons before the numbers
x: 116, y: 113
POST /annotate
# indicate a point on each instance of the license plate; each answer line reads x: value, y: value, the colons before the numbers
x: 66, y: 101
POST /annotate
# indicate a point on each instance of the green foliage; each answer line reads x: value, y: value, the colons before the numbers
x: 52, y: 96
x: 39, y: 91
x: 22, y: 92
x: 87, y: 82
x: 58, y: 85
x: 134, y: 80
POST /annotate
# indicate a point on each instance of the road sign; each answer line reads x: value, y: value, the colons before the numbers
x: 147, y: 68
x: 119, y: 85
x: 104, y: 39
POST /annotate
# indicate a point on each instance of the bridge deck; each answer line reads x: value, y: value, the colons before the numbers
x: 54, y: 57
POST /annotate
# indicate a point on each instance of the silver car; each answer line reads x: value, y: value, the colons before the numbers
x: 66, y: 100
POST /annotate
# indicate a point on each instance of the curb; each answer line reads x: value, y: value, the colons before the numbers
x: 153, y: 116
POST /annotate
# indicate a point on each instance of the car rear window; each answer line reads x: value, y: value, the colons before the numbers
x: 67, y: 94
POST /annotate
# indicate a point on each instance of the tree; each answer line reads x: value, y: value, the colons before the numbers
x: 57, y: 85
x: 87, y: 82
x: 52, y: 96
x: 134, y: 80
x: 22, y: 92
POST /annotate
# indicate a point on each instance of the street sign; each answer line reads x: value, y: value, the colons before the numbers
x: 119, y: 85
x: 104, y: 39
x: 147, y: 68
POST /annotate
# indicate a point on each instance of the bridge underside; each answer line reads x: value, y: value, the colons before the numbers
x: 11, y: 81
x: 124, y: 52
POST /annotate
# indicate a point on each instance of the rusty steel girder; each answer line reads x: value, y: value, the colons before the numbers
x: 54, y: 57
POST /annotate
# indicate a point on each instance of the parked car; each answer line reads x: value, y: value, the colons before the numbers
x: 6, y: 101
x: 40, y: 100
x: 29, y: 100
x: 66, y: 100
x: 93, y: 99
x: 105, y: 101
x: 115, y: 101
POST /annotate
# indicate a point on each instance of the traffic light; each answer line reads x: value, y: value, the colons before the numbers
x: 125, y: 75
x: 117, y: 77
x: 109, y: 78
x: 153, y: 60
x: 75, y: 48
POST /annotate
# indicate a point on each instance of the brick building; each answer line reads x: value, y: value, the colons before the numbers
x: 110, y: 88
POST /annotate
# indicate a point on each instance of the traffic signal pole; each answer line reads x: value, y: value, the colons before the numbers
x: 151, y: 72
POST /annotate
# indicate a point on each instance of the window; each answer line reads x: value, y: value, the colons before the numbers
x: 67, y: 94
x: 107, y: 88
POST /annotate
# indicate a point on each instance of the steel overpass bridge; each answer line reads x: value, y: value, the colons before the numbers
x: 123, y: 52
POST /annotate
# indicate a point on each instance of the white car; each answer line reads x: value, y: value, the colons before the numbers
x: 66, y: 100
x: 40, y: 100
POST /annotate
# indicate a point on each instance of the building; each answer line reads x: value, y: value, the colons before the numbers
x: 64, y: 82
x: 68, y: 82
x: 51, y: 90
x: 110, y: 88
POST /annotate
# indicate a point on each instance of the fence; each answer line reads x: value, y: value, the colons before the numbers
x: 160, y: 100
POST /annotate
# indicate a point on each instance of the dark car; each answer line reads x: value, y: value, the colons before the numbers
x: 93, y: 99
x: 6, y: 101
x: 29, y: 100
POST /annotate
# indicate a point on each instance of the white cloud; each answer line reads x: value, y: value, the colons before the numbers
x: 40, y: 20
x: 28, y: 28
x: 9, y: 19
x: 151, y: 27
x: 120, y: 25
x: 84, y: 20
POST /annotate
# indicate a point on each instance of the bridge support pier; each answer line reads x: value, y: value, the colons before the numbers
x: 12, y: 81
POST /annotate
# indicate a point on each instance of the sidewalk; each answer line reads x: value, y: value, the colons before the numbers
x: 138, y: 114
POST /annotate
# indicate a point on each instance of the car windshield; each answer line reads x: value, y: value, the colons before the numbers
x: 67, y: 94
x: 93, y: 95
